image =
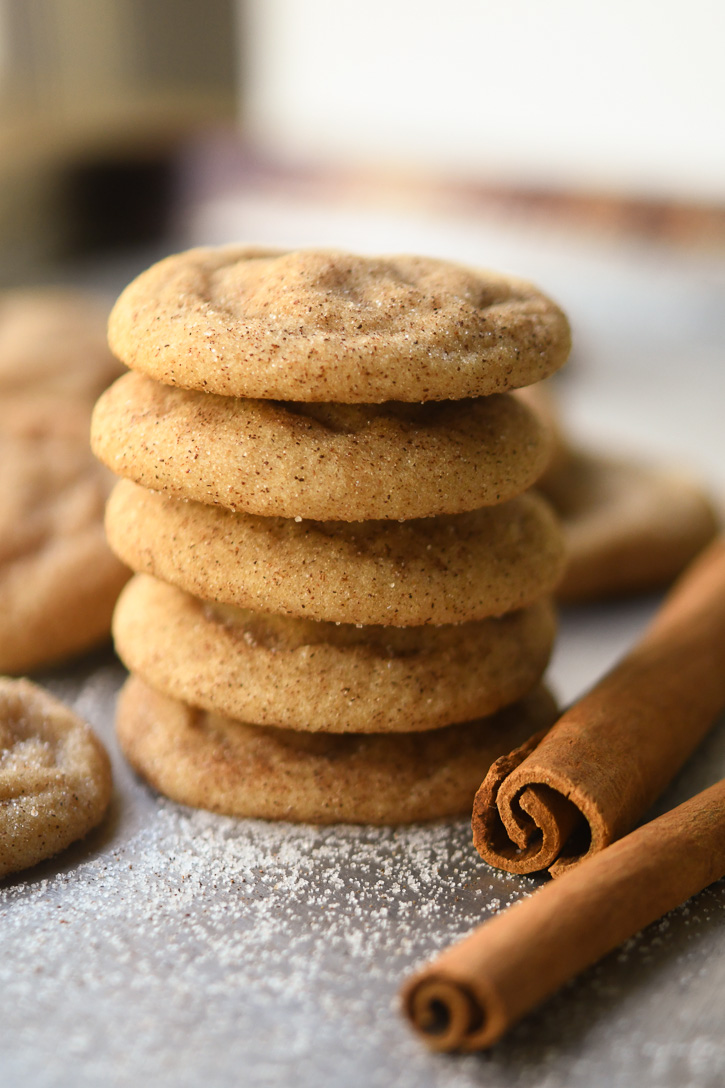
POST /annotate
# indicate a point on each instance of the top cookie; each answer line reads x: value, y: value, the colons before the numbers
x: 320, y: 325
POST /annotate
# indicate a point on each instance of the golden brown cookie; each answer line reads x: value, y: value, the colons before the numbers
x: 451, y: 569
x: 320, y: 325
x: 338, y: 678
x: 324, y: 461
x: 58, y: 577
x: 55, y: 778
x: 226, y: 766
x: 53, y: 344
x: 629, y: 528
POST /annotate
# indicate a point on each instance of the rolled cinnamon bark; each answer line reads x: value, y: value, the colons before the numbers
x: 567, y: 794
x: 472, y: 993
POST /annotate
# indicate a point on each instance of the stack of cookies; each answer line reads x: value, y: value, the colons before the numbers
x: 342, y: 602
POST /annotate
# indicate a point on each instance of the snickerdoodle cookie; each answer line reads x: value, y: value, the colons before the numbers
x: 321, y: 325
x: 227, y: 766
x: 339, y: 678
x: 324, y: 461
x: 628, y: 527
x: 53, y: 344
x: 450, y: 569
x: 55, y: 777
x: 58, y: 578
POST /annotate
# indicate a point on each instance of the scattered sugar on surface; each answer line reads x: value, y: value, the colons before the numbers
x: 224, y: 934
x: 201, y: 943
x: 186, y: 948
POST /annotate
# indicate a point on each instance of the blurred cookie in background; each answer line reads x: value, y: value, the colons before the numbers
x: 53, y: 343
x: 58, y: 579
x: 629, y: 527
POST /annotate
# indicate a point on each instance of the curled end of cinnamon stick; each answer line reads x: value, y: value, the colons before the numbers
x: 564, y: 796
x: 525, y: 826
x: 450, y: 1016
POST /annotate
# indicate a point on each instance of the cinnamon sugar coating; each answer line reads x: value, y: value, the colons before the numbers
x: 227, y: 766
x: 450, y: 569
x: 339, y: 678
x: 323, y: 461
x: 55, y: 777
x: 321, y: 325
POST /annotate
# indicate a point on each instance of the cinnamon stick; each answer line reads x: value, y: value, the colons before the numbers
x: 567, y: 794
x: 468, y: 997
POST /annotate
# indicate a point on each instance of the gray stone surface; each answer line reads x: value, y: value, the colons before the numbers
x: 176, y: 948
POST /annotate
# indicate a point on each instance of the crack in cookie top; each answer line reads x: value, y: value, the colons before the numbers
x: 313, y: 325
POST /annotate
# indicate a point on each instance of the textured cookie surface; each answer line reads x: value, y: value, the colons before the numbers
x: 303, y: 674
x: 317, y: 325
x: 324, y: 461
x: 53, y: 343
x: 216, y: 763
x: 55, y: 778
x: 450, y: 569
x: 58, y: 578
x: 628, y: 528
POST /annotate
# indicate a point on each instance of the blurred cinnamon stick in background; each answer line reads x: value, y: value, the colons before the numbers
x: 567, y: 794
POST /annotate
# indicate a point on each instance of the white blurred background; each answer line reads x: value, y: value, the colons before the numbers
x: 613, y: 114
x: 580, y: 145
x: 626, y: 96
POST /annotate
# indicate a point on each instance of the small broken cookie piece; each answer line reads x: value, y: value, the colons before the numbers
x: 322, y: 325
x: 55, y: 776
